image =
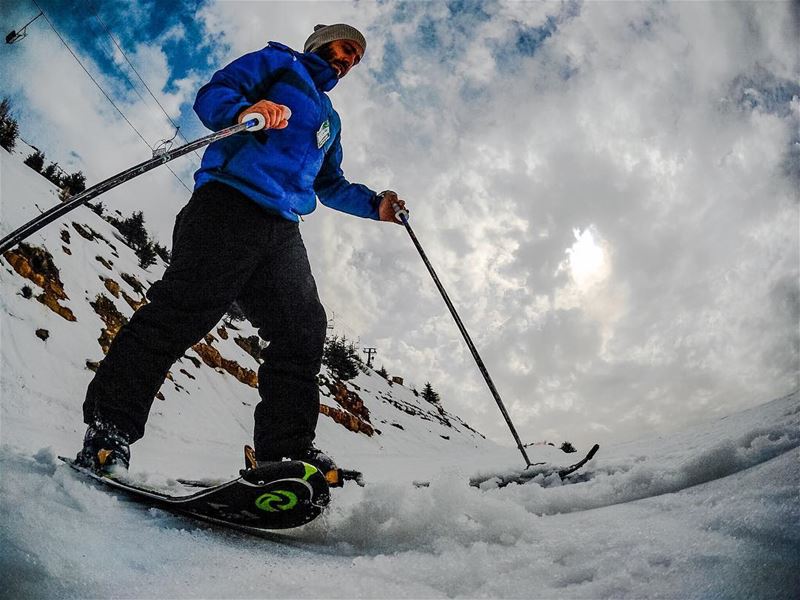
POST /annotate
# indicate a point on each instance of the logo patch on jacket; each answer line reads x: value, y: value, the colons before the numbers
x: 324, y: 133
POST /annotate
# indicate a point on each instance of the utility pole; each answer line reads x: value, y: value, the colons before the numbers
x: 370, y: 352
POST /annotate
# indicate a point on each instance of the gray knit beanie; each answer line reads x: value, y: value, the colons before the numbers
x: 324, y: 34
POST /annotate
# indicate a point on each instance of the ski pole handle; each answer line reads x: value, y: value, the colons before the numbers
x: 401, y: 214
x: 61, y: 208
x: 254, y: 121
x: 260, y: 121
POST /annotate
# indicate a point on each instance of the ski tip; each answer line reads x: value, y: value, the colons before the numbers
x: 571, y: 469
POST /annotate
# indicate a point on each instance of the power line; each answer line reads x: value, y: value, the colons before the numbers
x: 46, y: 18
x: 131, y: 85
x: 63, y: 41
x: 130, y: 64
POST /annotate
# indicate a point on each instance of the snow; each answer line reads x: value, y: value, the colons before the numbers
x: 711, y: 512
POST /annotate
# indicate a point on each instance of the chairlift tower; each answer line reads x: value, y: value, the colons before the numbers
x: 370, y: 352
x: 15, y: 36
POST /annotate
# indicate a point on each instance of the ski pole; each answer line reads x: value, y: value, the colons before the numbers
x: 402, y: 216
x: 254, y: 122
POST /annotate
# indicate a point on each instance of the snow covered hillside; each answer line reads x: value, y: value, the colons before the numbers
x: 712, y: 512
x: 69, y: 289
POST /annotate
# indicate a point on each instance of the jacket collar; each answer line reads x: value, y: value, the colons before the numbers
x: 323, y: 75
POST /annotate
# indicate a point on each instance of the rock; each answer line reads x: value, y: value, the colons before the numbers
x: 131, y: 280
x: 36, y: 264
x: 251, y: 345
x: 112, y: 286
x: 104, y: 262
x: 82, y: 232
x: 112, y: 318
x: 213, y: 358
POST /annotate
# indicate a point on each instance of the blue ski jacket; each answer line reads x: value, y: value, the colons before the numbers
x: 283, y: 170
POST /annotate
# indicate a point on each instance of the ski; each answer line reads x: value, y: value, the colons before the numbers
x: 50, y: 215
x: 572, y: 468
x: 334, y: 478
x: 531, y: 472
x: 277, y: 496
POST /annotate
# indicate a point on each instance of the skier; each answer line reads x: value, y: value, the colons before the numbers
x: 238, y: 240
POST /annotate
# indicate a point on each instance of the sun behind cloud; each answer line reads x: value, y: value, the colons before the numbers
x: 587, y: 262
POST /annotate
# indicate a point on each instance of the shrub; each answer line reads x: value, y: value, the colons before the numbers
x: 132, y: 229
x: 568, y: 447
x: 146, y: 254
x: 430, y: 395
x: 74, y: 183
x: 235, y: 313
x: 9, y: 129
x: 162, y: 252
x: 35, y: 161
x: 53, y: 173
x: 136, y: 236
x: 99, y: 209
x: 341, y: 357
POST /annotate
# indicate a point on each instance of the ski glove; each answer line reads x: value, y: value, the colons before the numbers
x: 275, y: 115
x: 388, y: 202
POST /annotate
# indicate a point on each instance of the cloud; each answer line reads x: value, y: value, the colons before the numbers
x: 665, y: 132
x: 615, y: 123
x: 63, y: 112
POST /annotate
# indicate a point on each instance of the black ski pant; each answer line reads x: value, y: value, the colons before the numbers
x: 225, y: 248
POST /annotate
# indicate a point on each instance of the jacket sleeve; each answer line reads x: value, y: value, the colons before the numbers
x: 235, y: 87
x: 334, y: 191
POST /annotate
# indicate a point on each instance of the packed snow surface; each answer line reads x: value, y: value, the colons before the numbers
x: 712, y: 512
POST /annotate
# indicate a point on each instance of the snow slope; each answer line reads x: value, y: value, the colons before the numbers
x: 640, y: 528
x: 205, y: 414
x: 713, y: 512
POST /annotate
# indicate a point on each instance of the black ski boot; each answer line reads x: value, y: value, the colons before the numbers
x: 333, y: 474
x: 105, y: 449
x: 316, y: 457
x: 311, y: 455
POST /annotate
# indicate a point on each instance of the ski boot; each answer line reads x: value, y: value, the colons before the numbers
x: 311, y: 455
x: 316, y: 457
x: 105, y: 449
x: 333, y: 474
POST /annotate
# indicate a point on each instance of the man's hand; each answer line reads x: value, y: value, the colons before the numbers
x: 386, y: 209
x: 275, y: 115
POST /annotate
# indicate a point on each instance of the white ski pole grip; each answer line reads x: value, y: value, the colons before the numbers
x: 261, y: 122
x: 401, y: 214
x: 258, y: 118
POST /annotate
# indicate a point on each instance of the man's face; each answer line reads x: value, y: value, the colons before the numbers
x: 342, y: 55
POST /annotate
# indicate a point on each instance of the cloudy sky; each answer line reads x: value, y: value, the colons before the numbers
x: 608, y: 191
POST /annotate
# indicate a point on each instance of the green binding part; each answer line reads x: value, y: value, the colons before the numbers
x: 282, y: 499
x: 310, y: 470
x: 266, y: 502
